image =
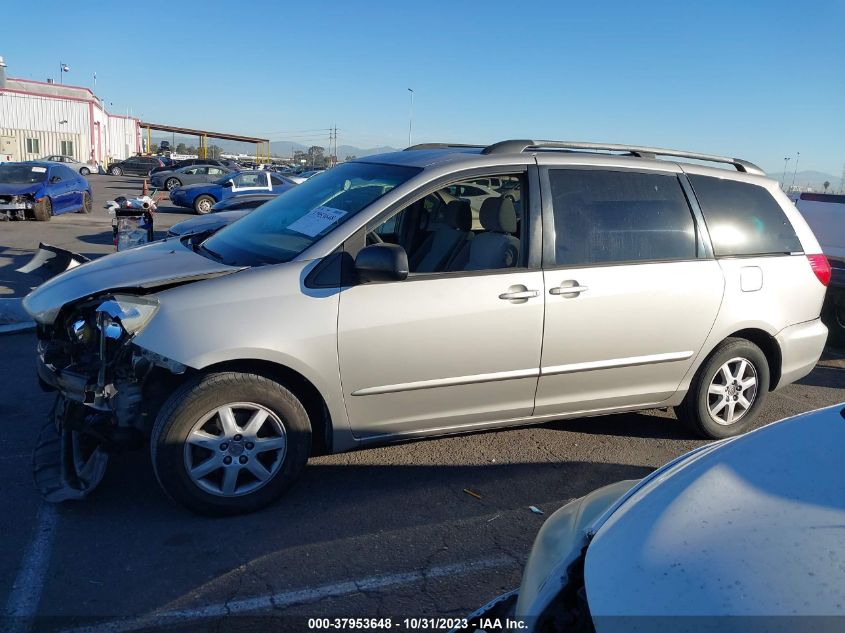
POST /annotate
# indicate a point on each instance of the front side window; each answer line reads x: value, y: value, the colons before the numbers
x: 445, y: 233
x: 743, y: 218
x: 281, y: 229
x: 603, y: 217
x: 67, y: 148
x: 33, y: 146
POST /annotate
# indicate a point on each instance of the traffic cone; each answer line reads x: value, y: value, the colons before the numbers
x: 145, y: 191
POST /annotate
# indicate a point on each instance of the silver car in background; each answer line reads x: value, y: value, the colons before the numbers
x: 362, y: 307
x: 189, y: 175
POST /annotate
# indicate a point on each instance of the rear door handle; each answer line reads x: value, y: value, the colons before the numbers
x: 520, y: 294
x: 574, y: 289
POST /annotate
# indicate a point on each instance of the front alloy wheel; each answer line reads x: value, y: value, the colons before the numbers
x: 172, y: 183
x: 235, y: 449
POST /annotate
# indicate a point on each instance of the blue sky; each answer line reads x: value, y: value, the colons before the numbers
x: 760, y: 80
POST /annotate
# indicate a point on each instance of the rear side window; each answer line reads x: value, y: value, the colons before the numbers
x: 605, y: 217
x: 743, y: 219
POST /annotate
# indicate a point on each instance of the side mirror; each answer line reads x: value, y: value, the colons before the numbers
x: 381, y: 262
x: 229, y: 184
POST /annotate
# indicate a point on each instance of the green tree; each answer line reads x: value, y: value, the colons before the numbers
x: 826, y: 185
x: 181, y: 149
x: 299, y: 156
x: 348, y: 158
x: 315, y: 156
x: 190, y: 150
x: 214, y: 151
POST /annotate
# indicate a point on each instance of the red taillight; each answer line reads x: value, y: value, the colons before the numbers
x: 821, y: 267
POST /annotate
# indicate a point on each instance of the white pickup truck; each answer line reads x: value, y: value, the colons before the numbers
x: 825, y: 213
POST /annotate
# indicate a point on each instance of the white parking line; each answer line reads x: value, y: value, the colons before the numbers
x: 22, y: 604
x: 289, y: 598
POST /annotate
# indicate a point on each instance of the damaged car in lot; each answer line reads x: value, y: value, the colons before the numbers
x: 362, y: 306
x: 739, y: 535
x: 39, y: 190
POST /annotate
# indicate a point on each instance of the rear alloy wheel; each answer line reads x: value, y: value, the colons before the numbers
x: 43, y: 210
x: 171, y: 184
x: 203, y: 204
x: 116, y: 171
x: 230, y: 443
x: 728, y: 390
x: 86, y: 203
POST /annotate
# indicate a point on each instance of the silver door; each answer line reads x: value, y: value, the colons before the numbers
x: 440, y: 351
x: 621, y: 333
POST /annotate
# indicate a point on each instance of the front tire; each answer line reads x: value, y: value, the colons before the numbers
x: 172, y: 183
x: 84, y: 171
x: 86, y: 203
x: 728, y: 391
x: 229, y: 443
x: 116, y: 171
x: 43, y: 211
x: 203, y: 204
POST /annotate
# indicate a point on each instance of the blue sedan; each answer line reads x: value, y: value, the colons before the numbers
x: 201, y: 196
x: 41, y: 189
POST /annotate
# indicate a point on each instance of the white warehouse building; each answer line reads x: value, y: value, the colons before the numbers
x: 38, y: 119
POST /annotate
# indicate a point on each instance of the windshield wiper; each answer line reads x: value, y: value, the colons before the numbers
x: 216, y: 256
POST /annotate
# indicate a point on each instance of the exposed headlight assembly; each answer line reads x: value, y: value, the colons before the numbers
x: 125, y: 314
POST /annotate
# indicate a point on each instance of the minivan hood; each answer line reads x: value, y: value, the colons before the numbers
x: 167, y: 262
x: 753, y: 527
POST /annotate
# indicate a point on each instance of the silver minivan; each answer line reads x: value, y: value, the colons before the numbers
x: 375, y: 303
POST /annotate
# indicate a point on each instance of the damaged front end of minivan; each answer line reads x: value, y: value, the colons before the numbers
x: 109, y: 388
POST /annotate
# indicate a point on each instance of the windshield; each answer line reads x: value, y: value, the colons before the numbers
x: 281, y: 229
x: 22, y: 174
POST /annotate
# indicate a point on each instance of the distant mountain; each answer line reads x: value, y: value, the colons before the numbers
x: 808, y: 178
x: 287, y: 148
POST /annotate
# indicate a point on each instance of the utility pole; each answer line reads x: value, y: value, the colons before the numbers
x: 783, y: 179
x: 795, y: 173
x: 410, y: 116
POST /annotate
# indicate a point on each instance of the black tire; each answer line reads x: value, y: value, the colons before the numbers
x: 833, y: 316
x: 171, y: 183
x: 203, y: 204
x: 87, y: 205
x: 43, y: 210
x: 695, y: 409
x: 84, y: 171
x: 116, y: 171
x: 187, y: 406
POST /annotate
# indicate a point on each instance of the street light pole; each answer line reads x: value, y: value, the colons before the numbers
x: 795, y: 173
x: 410, y: 116
x: 783, y: 180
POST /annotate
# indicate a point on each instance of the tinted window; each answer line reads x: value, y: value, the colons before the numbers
x: 618, y: 216
x: 743, y: 219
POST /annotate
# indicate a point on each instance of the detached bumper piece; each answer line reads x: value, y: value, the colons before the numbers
x: 69, y: 460
x: 49, y: 261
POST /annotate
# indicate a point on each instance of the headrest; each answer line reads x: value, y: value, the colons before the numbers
x: 458, y: 215
x: 498, y: 215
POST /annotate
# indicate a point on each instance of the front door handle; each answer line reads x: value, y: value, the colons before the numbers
x: 519, y: 294
x: 569, y: 288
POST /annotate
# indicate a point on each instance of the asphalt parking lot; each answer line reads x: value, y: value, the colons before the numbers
x: 382, y: 532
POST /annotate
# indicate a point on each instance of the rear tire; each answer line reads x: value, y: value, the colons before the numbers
x: 194, y: 473
x: 726, y: 396
x: 203, y: 204
x: 84, y: 171
x: 116, y: 171
x: 43, y: 211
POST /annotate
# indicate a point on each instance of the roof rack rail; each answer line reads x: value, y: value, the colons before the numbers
x: 438, y: 146
x: 634, y: 150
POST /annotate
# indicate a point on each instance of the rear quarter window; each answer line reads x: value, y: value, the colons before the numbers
x: 743, y: 218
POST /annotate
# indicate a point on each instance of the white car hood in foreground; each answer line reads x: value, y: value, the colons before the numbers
x: 755, y: 526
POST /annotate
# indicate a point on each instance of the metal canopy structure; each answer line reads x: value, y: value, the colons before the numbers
x: 262, y: 145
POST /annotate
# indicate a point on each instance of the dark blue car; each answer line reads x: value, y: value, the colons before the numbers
x: 41, y: 189
x: 202, y: 196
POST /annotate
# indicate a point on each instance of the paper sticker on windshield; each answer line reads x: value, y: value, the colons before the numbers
x: 39, y: 170
x: 316, y: 221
